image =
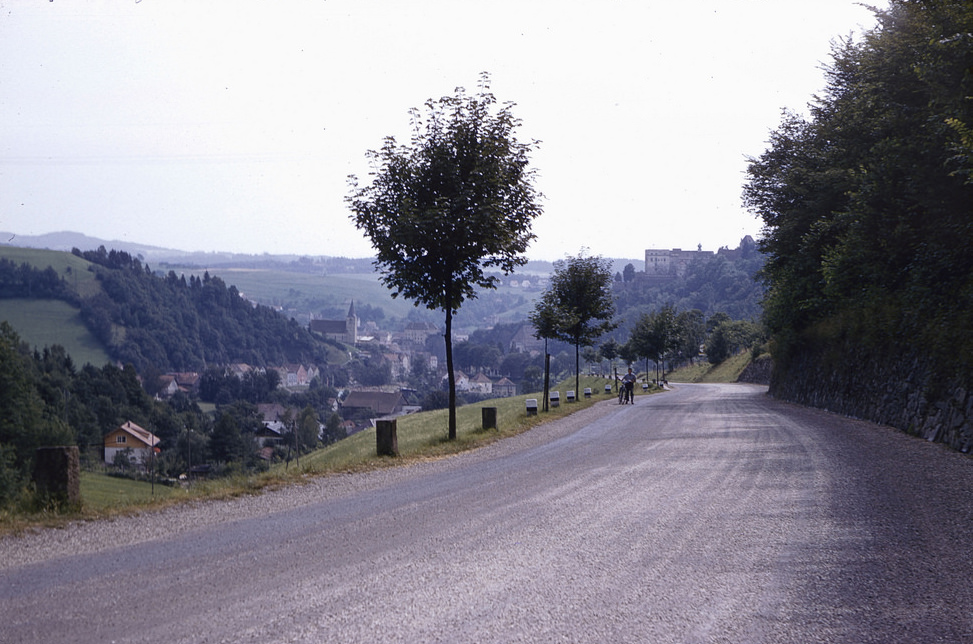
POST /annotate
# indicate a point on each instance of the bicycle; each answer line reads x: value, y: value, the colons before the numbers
x: 625, y: 394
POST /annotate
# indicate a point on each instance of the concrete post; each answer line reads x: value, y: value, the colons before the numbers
x: 57, y: 474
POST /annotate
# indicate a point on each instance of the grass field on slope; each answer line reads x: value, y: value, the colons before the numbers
x: 43, y: 323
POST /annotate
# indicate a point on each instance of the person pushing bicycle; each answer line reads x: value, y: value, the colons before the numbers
x: 628, y: 381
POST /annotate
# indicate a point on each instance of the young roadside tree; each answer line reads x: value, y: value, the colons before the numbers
x: 577, y: 306
x: 654, y: 336
x: 690, y: 334
x: 308, y: 428
x: 609, y: 351
x: 455, y: 201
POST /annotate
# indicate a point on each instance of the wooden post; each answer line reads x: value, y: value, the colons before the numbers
x: 489, y: 416
x: 386, y: 438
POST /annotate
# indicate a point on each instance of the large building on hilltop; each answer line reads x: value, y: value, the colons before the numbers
x: 672, y: 262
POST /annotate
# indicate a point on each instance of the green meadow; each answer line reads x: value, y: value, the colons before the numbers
x: 43, y: 323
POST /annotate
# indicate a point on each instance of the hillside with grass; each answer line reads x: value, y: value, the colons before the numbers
x: 99, y: 303
x: 44, y: 323
x: 729, y: 370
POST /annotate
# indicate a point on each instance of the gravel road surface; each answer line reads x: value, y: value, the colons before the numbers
x: 710, y: 513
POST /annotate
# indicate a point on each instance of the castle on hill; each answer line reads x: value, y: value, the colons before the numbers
x: 673, y: 262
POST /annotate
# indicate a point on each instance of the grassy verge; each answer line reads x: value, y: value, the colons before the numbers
x: 423, y: 436
x: 727, y: 371
x: 420, y: 437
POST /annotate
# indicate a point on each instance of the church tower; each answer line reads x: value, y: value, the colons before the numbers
x: 351, y: 325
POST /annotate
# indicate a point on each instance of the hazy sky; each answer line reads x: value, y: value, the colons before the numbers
x: 232, y: 126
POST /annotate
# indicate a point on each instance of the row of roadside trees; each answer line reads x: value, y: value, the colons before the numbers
x: 458, y: 200
x: 578, y: 308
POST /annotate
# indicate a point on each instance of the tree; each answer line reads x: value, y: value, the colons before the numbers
x: 332, y: 430
x: 455, y: 201
x: 533, y: 379
x: 609, y: 351
x: 591, y: 356
x: 654, y: 336
x: 308, y: 428
x: 690, y: 334
x: 729, y: 337
x: 577, y: 306
x: 226, y: 443
x: 866, y: 206
x: 26, y: 423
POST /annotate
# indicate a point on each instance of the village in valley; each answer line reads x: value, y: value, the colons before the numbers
x: 411, y: 357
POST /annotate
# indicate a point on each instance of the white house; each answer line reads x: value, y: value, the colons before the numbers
x: 142, y: 442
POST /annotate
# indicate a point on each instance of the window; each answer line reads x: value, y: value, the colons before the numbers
x: 120, y: 439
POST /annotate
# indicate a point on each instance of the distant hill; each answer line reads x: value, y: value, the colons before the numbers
x: 169, y: 323
x: 65, y: 241
x: 300, y: 287
x: 157, y: 255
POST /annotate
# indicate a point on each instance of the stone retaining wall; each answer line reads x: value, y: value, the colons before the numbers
x: 904, y: 393
x: 758, y: 372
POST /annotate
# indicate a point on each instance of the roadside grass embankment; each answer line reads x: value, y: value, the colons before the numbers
x: 421, y: 436
x: 727, y: 371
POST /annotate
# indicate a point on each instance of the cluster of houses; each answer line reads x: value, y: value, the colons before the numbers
x: 399, y: 349
x: 483, y: 384
x: 402, y: 348
x: 291, y: 375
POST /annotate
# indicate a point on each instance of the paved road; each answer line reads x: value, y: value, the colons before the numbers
x: 707, y: 514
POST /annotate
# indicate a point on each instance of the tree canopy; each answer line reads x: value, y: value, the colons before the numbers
x: 578, y: 305
x: 454, y: 202
x: 868, y: 205
x: 655, y: 336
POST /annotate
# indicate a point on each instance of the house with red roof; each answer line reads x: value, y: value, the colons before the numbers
x: 130, y: 436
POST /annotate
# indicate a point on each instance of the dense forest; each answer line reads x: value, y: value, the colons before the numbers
x: 175, y: 324
x: 868, y: 217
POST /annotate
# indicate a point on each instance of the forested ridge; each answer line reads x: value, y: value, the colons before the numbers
x: 715, y: 284
x: 868, y: 224
x: 169, y: 323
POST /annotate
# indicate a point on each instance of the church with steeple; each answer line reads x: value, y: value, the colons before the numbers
x: 344, y: 331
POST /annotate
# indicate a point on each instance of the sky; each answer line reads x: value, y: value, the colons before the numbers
x: 233, y: 126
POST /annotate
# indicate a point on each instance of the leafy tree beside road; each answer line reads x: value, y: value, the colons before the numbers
x: 654, y: 336
x: 577, y: 306
x: 457, y: 200
x: 867, y: 213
